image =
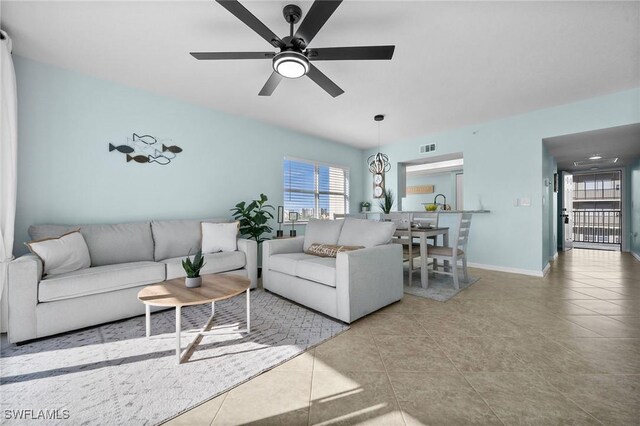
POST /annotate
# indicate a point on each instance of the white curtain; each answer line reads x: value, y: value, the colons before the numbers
x: 8, y: 167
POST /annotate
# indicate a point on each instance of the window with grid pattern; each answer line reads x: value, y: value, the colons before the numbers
x: 315, y: 190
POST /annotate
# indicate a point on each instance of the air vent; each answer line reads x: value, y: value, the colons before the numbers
x: 600, y: 162
x: 427, y: 148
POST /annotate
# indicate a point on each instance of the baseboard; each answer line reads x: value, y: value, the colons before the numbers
x: 510, y: 270
x: 546, y: 269
x: 636, y: 255
x: 554, y: 257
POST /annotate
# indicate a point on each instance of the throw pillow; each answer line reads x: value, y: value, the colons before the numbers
x: 329, y: 250
x: 321, y: 231
x: 219, y: 236
x: 66, y: 253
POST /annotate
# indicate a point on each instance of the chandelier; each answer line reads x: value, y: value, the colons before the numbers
x: 379, y: 163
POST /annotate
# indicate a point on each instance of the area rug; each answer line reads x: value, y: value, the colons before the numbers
x: 440, y: 286
x: 112, y: 374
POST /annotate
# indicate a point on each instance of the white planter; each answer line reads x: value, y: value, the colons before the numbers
x: 193, y: 282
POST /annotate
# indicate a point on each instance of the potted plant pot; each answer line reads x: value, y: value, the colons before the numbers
x: 193, y: 282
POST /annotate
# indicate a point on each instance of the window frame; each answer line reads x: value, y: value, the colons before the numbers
x: 316, y: 185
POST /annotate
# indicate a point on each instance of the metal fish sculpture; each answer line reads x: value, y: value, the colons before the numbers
x: 138, y: 158
x: 125, y: 149
x: 148, y: 139
x: 173, y: 148
x: 160, y: 159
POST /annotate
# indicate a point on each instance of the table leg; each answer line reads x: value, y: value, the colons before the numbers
x: 178, y: 331
x: 248, y: 313
x: 424, y: 267
x: 213, y: 308
x: 445, y: 243
x: 147, y: 315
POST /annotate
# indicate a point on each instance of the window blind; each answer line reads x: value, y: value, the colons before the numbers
x: 315, y: 190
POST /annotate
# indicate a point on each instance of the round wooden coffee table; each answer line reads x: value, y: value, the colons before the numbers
x: 174, y: 293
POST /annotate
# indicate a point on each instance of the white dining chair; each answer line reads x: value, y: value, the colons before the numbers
x: 459, y: 225
x: 426, y: 219
x: 403, y: 236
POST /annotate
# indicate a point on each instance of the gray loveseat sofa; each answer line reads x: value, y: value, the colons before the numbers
x: 124, y: 258
x: 347, y: 287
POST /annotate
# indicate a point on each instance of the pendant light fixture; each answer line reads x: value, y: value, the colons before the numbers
x: 379, y: 163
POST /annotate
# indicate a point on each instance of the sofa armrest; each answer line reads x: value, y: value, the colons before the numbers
x: 368, y: 279
x: 24, y: 276
x: 279, y: 246
x: 250, y: 250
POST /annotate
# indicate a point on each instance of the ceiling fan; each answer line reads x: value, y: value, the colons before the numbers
x: 294, y: 58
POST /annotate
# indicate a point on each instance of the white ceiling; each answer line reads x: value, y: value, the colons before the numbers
x: 622, y: 142
x: 455, y: 63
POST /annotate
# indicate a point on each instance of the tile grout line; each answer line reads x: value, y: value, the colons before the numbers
x: 219, y: 408
x: 313, y: 369
x: 461, y: 374
x: 386, y: 372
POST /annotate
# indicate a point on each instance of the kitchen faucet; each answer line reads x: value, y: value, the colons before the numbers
x: 444, y: 205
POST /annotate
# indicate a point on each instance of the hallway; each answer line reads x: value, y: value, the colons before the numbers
x: 511, y: 349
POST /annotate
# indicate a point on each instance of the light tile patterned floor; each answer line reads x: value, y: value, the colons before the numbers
x: 511, y: 349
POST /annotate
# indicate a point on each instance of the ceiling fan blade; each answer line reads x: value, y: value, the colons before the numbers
x: 271, y: 84
x: 241, y: 12
x: 232, y: 55
x: 351, y: 53
x: 323, y: 81
x: 318, y: 14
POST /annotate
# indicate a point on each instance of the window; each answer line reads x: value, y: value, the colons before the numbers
x: 314, y: 189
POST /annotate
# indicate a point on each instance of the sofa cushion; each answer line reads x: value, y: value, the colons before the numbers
x: 367, y: 233
x: 108, y: 244
x: 213, y: 263
x: 99, y: 279
x: 320, y: 269
x: 67, y: 253
x: 286, y: 262
x: 321, y: 231
x: 175, y: 238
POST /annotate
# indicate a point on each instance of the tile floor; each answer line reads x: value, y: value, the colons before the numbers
x: 512, y: 349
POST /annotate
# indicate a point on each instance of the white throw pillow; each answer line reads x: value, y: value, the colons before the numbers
x: 66, y: 253
x: 321, y: 231
x: 367, y: 233
x: 219, y: 236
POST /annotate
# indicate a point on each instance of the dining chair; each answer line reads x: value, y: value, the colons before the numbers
x: 427, y: 219
x: 403, y: 235
x: 459, y: 225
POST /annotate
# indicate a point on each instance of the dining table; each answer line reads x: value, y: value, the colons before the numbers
x: 423, y: 233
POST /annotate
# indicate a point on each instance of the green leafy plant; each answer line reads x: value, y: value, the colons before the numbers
x: 365, y: 204
x: 254, y: 218
x: 192, y: 268
x: 386, y: 202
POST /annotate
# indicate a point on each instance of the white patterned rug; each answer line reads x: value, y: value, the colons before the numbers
x: 440, y: 286
x: 112, y: 374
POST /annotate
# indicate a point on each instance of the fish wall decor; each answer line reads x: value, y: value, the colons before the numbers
x: 147, y: 149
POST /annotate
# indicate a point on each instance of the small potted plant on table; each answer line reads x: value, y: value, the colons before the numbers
x: 192, y: 268
x: 365, y: 206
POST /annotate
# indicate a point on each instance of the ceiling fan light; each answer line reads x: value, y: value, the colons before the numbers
x: 291, y: 64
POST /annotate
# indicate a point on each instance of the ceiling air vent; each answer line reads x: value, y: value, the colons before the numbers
x: 424, y: 149
x: 599, y: 162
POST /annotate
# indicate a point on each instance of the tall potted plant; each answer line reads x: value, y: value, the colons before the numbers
x: 254, y: 217
x: 386, y: 202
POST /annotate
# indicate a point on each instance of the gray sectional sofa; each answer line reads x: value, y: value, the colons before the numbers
x: 347, y: 287
x: 124, y: 258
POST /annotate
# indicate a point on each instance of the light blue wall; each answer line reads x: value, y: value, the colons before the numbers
x: 66, y: 174
x: 635, y: 208
x: 503, y: 162
x: 444, y: 183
